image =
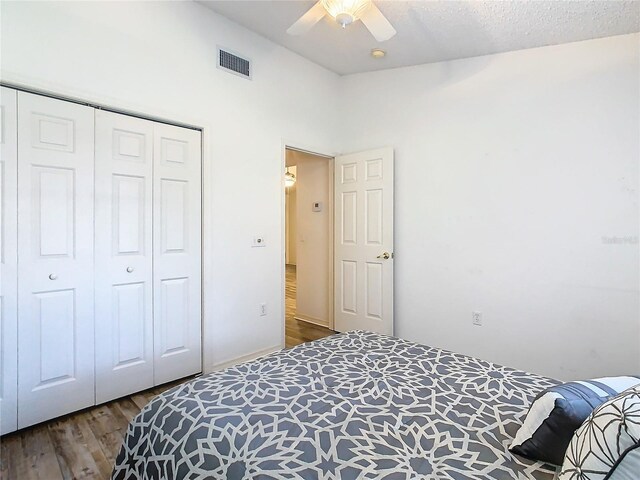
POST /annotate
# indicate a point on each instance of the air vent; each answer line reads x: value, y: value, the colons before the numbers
x: 233, y: 63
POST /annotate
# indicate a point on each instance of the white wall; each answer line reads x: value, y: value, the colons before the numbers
x: 160, y: 58
x: 314, y: 237
x: 510, y: 170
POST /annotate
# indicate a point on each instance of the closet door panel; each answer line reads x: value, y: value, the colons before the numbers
x: 55, y: 251
x: 177, y: 257
x: 8, y: 262
x: 124, y: 282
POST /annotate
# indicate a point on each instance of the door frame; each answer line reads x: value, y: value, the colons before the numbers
x: 330, y: 157
x: 147, y: 112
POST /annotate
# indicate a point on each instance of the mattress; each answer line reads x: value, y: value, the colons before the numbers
x: 351, y: 406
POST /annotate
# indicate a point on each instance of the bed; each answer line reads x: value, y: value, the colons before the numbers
x: 351, y: 406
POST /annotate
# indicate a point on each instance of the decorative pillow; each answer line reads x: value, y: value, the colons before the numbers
x: 557, y: 412
x: 628, y: 467
x: 607, y: 445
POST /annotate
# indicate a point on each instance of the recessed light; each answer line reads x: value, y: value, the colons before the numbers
x: 377, y: 53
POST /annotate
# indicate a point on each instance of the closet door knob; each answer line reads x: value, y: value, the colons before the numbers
x: 53, y: 276
x: 129, y: 269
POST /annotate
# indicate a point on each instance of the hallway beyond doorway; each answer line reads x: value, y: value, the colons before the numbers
x: 298, y: 331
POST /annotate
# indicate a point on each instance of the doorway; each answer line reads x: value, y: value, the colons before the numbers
x: 308, y: 247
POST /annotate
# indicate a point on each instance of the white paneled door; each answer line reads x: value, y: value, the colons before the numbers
x: 55, y: 252
x: 123, y: 255
x: 8, y: 262
x: 176, y: 262
x: 364, y: 241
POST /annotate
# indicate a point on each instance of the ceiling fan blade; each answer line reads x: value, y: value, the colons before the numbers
x: 308, y: 20
x: 377, y: 24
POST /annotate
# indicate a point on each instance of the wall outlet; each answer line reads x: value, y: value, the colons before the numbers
x: 263, y: 309
x: 476, y: 317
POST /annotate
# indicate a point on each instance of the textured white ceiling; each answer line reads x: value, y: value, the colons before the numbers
x: 433, y: 31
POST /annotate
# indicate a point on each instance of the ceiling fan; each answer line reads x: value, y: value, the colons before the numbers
x: 345, y: 12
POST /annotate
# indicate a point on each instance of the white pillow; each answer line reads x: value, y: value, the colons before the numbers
x: 607, y: 445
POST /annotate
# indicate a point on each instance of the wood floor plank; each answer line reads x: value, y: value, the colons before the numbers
x: 73, y: 450
x: 127, y: 407
x: 108, y: 425
x: 149, y: 395
x: 106, y: 419
x: 103, y: 461
x: 7, y: 468
x: 40, y: 454
x: 29, y: 455
x: 139, y: 400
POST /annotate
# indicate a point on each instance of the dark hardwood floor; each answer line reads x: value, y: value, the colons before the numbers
x: 84, y: 445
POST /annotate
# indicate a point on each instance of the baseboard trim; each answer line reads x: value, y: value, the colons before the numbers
x: 313, y: 320
x: 242, y: 359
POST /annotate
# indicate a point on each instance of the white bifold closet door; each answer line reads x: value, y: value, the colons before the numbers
x: 8, y: 262
x: 124, y: 255
x: 148, y: 293
x: 55, y: 252
x: 176, y: 246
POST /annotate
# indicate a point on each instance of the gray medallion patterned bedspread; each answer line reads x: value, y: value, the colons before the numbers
x: 351, y: 406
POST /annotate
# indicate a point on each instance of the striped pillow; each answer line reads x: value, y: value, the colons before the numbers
x: 557, y: 412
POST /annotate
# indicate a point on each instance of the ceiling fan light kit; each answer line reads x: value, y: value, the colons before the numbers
x: 345, y: 12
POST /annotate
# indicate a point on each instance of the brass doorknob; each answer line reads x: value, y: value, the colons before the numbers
x: 385, y: 256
